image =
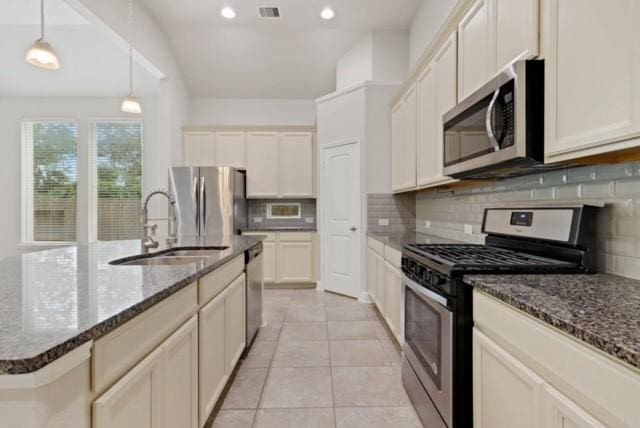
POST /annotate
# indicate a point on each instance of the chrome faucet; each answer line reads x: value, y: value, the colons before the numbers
x: 149, y: 229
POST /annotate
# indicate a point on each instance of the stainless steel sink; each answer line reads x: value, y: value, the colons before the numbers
x: 164, y: 261
x: 195, y: 253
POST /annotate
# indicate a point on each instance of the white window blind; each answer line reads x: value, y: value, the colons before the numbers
x: 49, y: 180
x: 116, y: 167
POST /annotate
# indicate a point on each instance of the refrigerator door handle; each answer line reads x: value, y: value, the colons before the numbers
x: 203, y: 205
x: 196, y: 197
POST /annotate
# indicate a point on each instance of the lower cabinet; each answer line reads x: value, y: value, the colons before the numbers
x: 222, y: 340
x: 269, y: 258
x: 372, y: 283
x: 561, y: 412
x: 159, y: 391
x: 393, y: 293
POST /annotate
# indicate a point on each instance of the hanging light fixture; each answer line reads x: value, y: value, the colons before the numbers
x: 131, y: 104
x: 41, y: 54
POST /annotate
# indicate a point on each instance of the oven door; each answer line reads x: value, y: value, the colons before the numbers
x: 428, y: 343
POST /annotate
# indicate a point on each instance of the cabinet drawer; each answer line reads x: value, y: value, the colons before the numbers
x: 606, y: 389
x: 376, y: 245
x: 117, y: 352
x: 393, y: 256
x: 213, y: 283
x: 296, y: 236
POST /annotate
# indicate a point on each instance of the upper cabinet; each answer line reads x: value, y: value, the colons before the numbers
x: 262, y: 164
x: 591, y: 77
x: 199, y: 148
x: 231, y: 149
x: 493, y: 34
x: 404, y: 129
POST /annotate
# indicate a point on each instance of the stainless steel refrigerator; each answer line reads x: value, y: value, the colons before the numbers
x: 210, y: 201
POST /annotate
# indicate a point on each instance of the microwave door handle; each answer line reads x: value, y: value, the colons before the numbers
x: 488, y: 121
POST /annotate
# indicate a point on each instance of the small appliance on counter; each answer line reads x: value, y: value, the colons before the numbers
x: 438, y: 315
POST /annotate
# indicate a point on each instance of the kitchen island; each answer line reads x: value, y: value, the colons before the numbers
x: 73, y: 327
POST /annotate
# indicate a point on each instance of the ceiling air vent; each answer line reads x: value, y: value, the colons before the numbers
x: 269, y: 12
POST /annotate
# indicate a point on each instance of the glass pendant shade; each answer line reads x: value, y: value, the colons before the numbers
x: 131, y: 104
x: 42, y: 55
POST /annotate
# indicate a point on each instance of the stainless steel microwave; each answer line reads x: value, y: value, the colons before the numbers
x: 498, y: 131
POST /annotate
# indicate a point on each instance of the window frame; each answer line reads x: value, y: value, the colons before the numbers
x: 270, y: 206
x: 27, y: 225
x: 92, y: 161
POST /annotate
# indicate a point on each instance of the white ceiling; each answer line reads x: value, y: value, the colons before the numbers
x: 93, y: 65
x: 250, y: 57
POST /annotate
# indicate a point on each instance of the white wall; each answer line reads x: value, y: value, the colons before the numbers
x: 260, y: 112
x: 425, y: 26
x: 13, y: 110
x: 356, y: 65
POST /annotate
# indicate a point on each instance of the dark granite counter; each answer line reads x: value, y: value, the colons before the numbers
x: 602, y: 310
x: 51, y: 302
x: 398, y: 240
x: 280, y: 229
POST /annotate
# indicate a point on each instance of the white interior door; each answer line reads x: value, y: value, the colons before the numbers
x: 341, y: 220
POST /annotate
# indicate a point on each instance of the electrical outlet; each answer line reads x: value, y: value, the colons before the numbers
x: 383, y: 222
x: 308, y: 219
x: 427, y: 224
x: 257, y: 219
x: 468, y: 229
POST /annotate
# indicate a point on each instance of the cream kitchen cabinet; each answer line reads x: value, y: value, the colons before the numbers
x: 436, y: 92
x: 160, y: 391
x: 403, y: 143
x: 591, y: 77
x: 231, y: 149
x: 372, y: 285
x: 393, y: 293
x: 561, y: 412
x: 235, y: 323
x: 262, y: 164
x: 493, y: 34
x: 199, y: 148
x: 289, y: 257
x: 295, y: 164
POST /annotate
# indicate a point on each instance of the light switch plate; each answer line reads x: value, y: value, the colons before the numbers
x: 257, y: 219
x: 383, y: 222
x: 468, y: 229
x: 308, y: 219
x: 427, y: 224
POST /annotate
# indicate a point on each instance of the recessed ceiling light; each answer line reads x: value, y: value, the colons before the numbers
x: 228, y: 13
x: 327, y: 13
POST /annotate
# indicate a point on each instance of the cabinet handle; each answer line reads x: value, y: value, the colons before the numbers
x: 353, y: 228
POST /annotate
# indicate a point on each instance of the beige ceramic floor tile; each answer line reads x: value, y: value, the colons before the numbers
x: 367, y: 386
x: 302, y: 354
x: 260, y: 354
x: 346, y: 313
x: 294, y: 418
x: 234, y: 419
x: 305, y: 314
x: 391, y: 351
x: 339, y: 330
x: 297, y: 388
x: 377, y: 417
x: 246, y: 389
x: 303, y: 331
x: 271, y: 331
x: 357, y: 353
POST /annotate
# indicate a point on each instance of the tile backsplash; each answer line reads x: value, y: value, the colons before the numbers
x: 258, y: 210
x: 391, y: 213
x: 456, y: 213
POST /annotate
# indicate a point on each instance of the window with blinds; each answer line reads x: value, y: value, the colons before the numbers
x: 116, y: 159
x: 50, y: 162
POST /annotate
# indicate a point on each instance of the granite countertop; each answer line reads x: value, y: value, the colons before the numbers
x: 398, y: 240
x: 280, y: 229
x: 51, y: 302
x: 601, y: 309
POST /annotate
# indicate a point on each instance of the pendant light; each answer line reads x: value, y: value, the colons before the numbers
x: 41, y: 54
x: 131, y: 104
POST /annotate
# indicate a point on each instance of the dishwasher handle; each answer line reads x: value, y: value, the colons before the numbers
x: 253, y: 253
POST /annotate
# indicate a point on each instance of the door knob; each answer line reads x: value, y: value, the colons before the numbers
x: 353, y: 228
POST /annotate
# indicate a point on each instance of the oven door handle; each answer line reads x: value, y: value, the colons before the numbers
x: 426, y: 293
x: 488, y: 121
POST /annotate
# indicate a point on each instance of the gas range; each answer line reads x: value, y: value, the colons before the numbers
x: 438, y: 315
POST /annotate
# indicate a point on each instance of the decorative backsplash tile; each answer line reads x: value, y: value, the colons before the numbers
x: 615, y: 186
x: 391, y: 213
x: 258, y: 213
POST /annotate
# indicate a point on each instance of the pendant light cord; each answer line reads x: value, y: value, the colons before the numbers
x: 41, y: 19
x: 130, y: 47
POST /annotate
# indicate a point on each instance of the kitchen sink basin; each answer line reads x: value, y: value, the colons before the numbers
x: 195, y: 253
x: 171, y: 258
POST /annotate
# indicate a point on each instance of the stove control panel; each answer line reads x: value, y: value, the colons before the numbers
x: 425, y: 276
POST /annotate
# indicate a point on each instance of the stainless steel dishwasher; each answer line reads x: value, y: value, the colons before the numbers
x: 253, y: 259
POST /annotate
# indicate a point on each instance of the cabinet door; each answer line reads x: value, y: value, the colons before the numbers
x: 235, y: 323
x: 562, y: 412
x: 446, y: 70
x: 515, y: 30
x: 371, y: 273
x: 427, y: 150
x: 262, y: 164
x: 397, y: 138
x: 591, y: 77
x: 230, y: 149
x: 295, y: 262
x: 269, y: 261
x: 474, y: 54
x: 135, y: 400
x: 506, y: 393
x: 381, y: 277
x: 409, y: 122
x: 180, y: 390
x: 295, y: 164
x: 199, y: 149
x: 393, y: 285
x: 211, y: 349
